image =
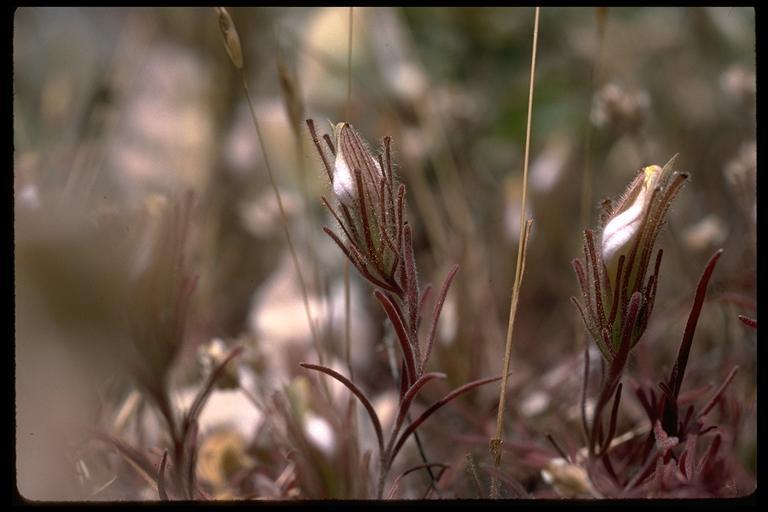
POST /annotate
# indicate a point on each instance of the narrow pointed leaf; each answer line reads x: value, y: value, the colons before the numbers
x: 202, y: 396
x: 436, y: 314
x: 161, y: 478
x: 405, y: 403
x: 678, y: 372
x: 437, y: 405
x: 355, y: 391
x: 402, y: 335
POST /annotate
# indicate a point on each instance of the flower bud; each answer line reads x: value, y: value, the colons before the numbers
x: 369, y: 209
x: 351, y: 154
x: 629, y: 232
x: 625, y: 223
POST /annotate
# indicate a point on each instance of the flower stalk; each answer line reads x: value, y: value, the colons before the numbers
x: 617, y: 291
x: 617, y: 260
x: 369, y: 209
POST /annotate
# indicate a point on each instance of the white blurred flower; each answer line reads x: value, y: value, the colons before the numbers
x: 225, y: 409
x: 568, y: 480
x: 711, y: 230
x: 320, y: 433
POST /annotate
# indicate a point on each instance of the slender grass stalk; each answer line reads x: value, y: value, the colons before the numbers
x: 349, y: 63
x: 283, y: 219
x: 347, y: 312
x: 347, y: 302
x: 232, y: 45
x: 525, y: 226
x: 290, y: 88
x: 586, y: 178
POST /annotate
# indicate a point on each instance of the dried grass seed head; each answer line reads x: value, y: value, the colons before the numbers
x: 231, y: 37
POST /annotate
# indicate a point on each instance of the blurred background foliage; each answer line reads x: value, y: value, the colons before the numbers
x: 118, y: 112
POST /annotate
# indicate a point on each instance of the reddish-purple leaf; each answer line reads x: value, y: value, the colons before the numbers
x: 437, y: 405
x: 408, y: 472
x: 136, y: 457
x: 388, y: 159
x: 596, y: 264
x: 714, y: 447
x: 405, y: 403
x: 649, y: 411
x: 425, y: 293
x: 664, y: 442
x: 558, y: 448
x: 359, y: 264
x: 678, y: 371
x: 690, y: 454
x: 355, y: 391
x: 436, y: 314
x: 584, y: 388
x: 161, y: 477
x: 403, y: 380
x: 350, y: 221
x: 617, y: 365
x: 400, y: 221
x: 204, y: 393
x: 338, y: 219
x: 412, y: 282
x: 613, y: 419
x: 402, y: 336
x: 616, y: 290
x: 578, y: 268
x: 719, y: 393
x: 190, y: 455
x: 329, y: 142
x: 606, y: 460
x: 666, y: 202
x: 750, y: 322
x: 643, y: 474
x: 316, y: 141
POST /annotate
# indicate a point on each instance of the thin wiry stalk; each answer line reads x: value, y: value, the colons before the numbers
x: 284, y: 221
x: 349, y: 63
x: 291, y: 93
x: 586, y: 180
x: 347, y: 312
x: 409, y: 471
x: 557, y: 447
x: 232, y: 44
x: 525, y: 226
x: 449, y: 181
x: 452, y: 191
x: 719, y: 393
x: 584, y: 389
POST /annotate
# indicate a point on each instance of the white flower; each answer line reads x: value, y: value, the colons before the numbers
x: 625, y: 223
x: 351, y: 151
